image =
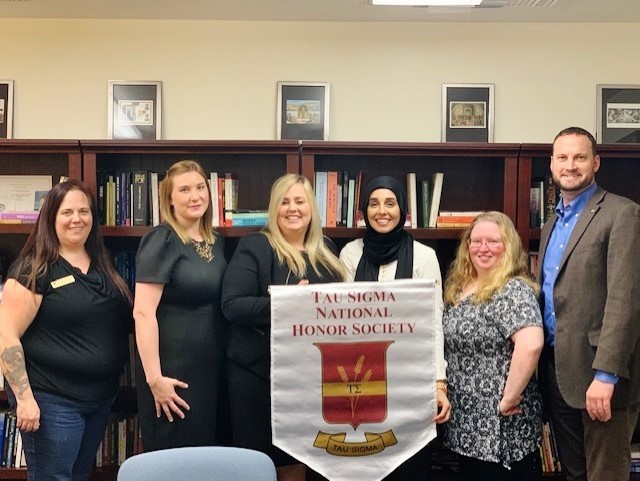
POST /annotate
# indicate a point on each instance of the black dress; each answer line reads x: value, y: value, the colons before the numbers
x: 247, y: 305
x: 191, y: 337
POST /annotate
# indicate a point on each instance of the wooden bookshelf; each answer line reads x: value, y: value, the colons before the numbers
x: 478, y: 176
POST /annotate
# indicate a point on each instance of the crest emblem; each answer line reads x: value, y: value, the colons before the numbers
x: 354, y: 382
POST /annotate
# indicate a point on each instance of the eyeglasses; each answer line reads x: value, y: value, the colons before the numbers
x: 490, y: 243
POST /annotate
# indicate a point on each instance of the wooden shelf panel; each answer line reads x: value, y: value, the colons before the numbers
x: 436, y: 234
x: 13, y: 473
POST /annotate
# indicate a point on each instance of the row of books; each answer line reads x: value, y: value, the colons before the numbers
x: 338, y: 197
x: 456, y: 219
x: 19, y: 217
x: 131, y: 198
x: 11, y: 442
x: 543, y: 198
x: 635, y: 457
x: 340, y: 203
x: 424, y: 201
x: 121, y: 441
x: 128, y: 198
x: 548, y: 450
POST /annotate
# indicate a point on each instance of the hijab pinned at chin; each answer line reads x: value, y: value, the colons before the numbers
x: 381, y: 249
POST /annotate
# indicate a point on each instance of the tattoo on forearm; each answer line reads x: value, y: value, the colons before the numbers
x: 15, y: 370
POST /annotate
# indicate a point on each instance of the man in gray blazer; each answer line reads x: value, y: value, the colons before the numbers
x: 590, y: 299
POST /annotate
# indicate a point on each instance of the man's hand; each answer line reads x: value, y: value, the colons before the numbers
x: 598, y: 400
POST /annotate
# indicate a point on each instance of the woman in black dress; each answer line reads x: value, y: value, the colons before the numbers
x: 179, y: 325
x: 290, y: 250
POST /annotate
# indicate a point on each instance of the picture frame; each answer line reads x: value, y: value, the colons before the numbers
x: 6, y: 109
x: 303, y: 110
x: 467, y: 112
x: 135, y: 109
x: 618, y: 114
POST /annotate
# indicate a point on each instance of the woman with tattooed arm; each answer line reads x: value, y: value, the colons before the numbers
x: 64, y: 321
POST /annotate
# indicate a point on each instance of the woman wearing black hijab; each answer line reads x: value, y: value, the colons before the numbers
x: 388, y: 252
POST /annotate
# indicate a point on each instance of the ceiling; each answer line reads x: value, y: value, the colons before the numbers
x: 316, y: 10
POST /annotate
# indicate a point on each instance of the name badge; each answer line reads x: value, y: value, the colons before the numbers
x: 63, y: 281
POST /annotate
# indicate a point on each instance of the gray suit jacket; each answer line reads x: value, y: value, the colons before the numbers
x: 597, y: 299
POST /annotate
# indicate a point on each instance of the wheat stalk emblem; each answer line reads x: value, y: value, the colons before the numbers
x: 357, y: 369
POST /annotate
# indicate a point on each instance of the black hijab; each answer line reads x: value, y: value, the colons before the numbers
x: 380, y: 249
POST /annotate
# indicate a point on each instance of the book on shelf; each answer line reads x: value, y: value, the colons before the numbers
x: 154, y: 198
x: 231, y: 189
x: 437, y: 180
x: 339, y: 199
x: 536, y: 204
x: 351, y: 201
x: 221, y: 201
x: 248, y: 218
x: 140, y: 207
x: 460, y: 213
x: 424, y: 204
x: 344, y: 213
x: 332, y: 198
x: 533, y: 263
x: 8, y: 217
x: 321, y: 190
x: 213, y: 186
x: 412, y: 200
x: 447, y: 219
x: 551, y: 197
x: 361, y: 179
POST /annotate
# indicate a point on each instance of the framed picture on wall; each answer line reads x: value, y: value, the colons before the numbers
x: 303, y: 111
x: 467, y: 112
x: 135, y: 109
x: 6, y: 109
x: 618, y: 114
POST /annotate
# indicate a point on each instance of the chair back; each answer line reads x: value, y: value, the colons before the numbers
x: 206, y: 463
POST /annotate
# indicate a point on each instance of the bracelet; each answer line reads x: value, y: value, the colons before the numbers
x: 442, y: 386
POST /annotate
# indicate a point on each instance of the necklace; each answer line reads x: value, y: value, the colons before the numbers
x: 203, y: 249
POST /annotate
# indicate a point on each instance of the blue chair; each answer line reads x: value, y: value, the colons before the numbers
x: 214, y: 463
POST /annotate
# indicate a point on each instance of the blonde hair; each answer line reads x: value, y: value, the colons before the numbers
x: 512, y: 263
x: 166, y: 209
x: 318, y: 253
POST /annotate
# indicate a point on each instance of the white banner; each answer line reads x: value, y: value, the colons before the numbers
x: 353, y: 375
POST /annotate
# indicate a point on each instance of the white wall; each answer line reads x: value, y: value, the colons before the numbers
x: 219, y: 78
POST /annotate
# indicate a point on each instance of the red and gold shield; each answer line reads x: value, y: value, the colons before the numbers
x: 354, y: 382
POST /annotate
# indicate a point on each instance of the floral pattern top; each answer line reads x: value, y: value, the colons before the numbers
x: 478, y: 348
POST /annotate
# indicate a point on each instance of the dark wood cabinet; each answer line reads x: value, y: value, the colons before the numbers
x: 476, y: 177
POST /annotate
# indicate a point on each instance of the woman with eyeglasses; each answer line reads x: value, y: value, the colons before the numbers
x: 290, y: 250
x: 493, y: 339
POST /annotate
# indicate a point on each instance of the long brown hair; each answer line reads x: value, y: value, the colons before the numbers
x: 42, y: 248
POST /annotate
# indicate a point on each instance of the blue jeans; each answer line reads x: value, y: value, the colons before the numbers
x: 65, y: 446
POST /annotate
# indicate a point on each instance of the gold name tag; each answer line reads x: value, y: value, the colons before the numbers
x: 63, y: 281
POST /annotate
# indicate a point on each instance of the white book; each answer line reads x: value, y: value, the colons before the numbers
x: 436, y: 194
x: 122, y: 441
x: 155, y: 198
x: 351, y: 201
x: 99, y: 456
x: 19, y: 451
x: 213, y: 184
x: 412, y: 199
x: 321, y: 196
